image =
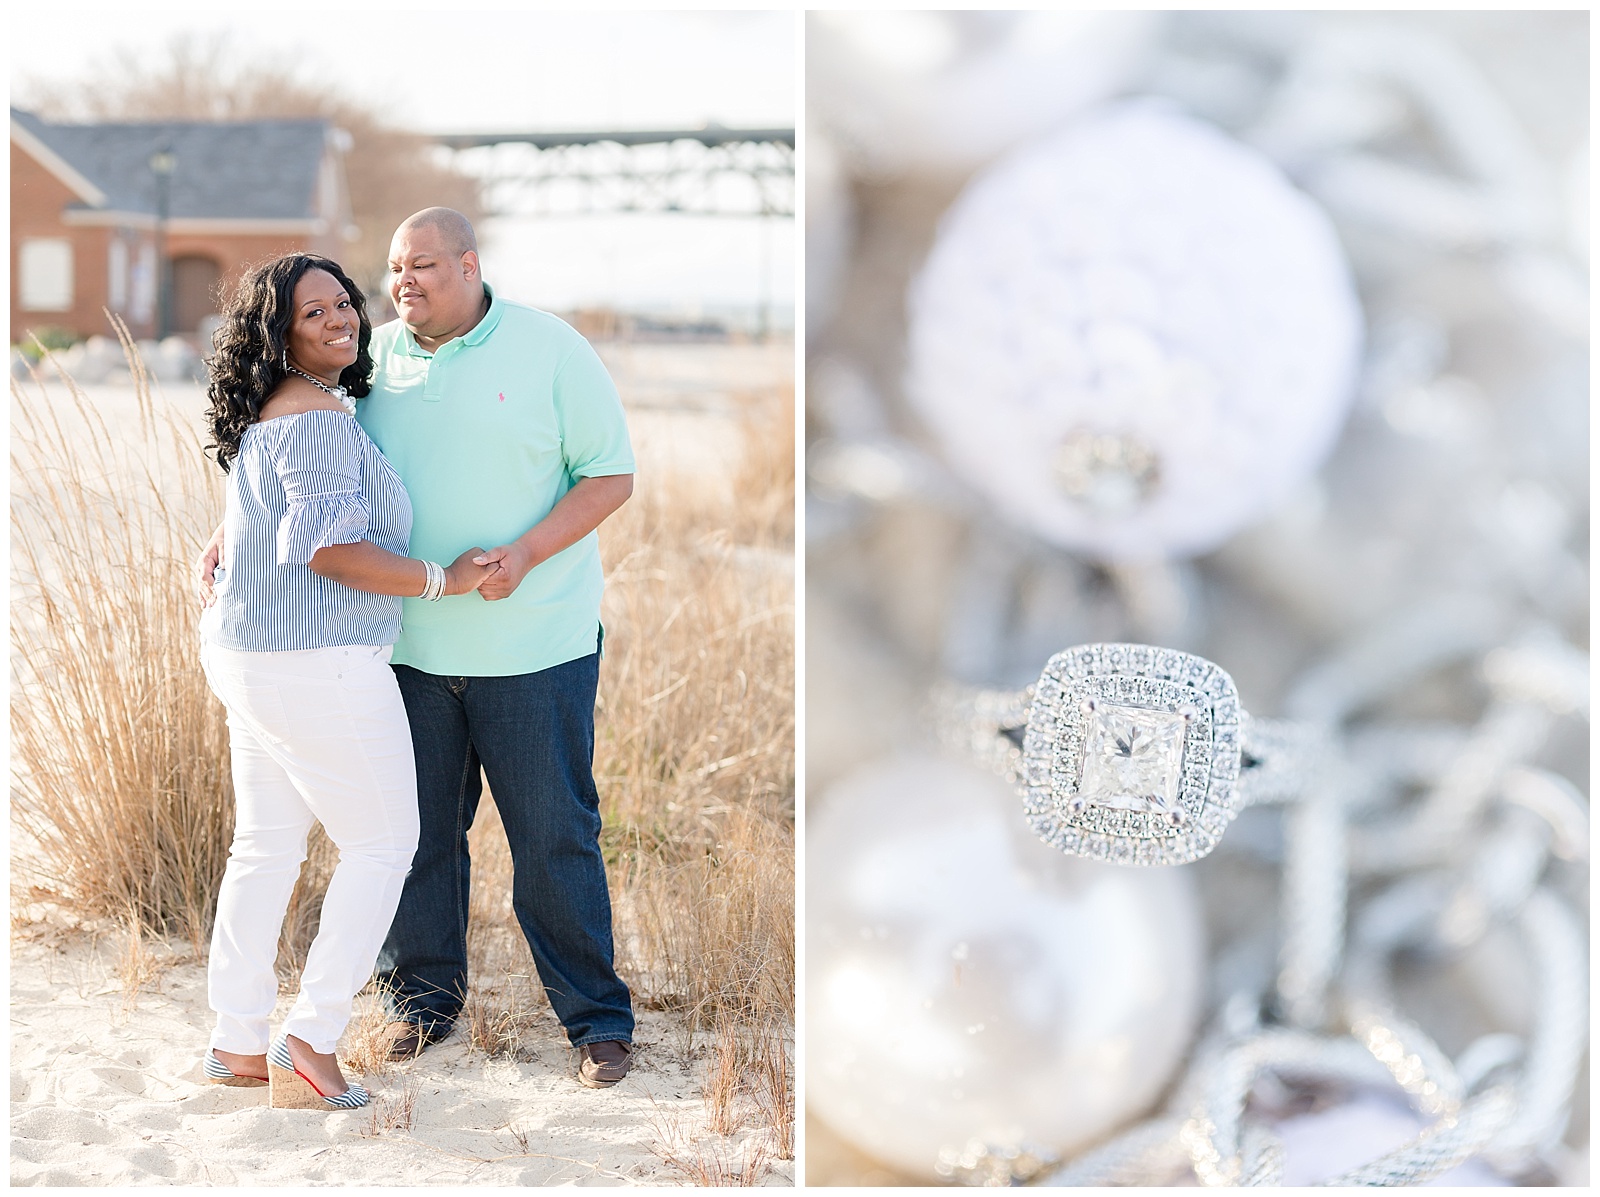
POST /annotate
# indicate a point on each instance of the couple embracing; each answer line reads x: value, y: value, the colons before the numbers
x: 366, y: 682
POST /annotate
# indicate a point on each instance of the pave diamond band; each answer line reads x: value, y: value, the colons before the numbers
x: 1129, y: 753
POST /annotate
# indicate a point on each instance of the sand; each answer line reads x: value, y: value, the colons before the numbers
x: 106, y: 1090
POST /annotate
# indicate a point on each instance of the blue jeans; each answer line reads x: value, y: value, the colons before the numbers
x: 533, y: 735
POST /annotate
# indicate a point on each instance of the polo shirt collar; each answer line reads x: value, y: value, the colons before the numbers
x: 480, y: 331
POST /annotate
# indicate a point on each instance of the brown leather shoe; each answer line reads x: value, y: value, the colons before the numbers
x: 402, y: 1041
x: 604, y: 1064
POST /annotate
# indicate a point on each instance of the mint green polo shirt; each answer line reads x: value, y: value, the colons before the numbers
x: 488, y: 434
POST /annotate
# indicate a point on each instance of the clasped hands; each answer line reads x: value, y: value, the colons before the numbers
x: 512, y: 563
x: 493, y: 573
x: 502, y: 569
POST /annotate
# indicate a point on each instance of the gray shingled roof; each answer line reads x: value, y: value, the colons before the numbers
x: 263, y: 170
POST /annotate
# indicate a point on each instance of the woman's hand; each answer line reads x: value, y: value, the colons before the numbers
x: 205, y: 568
x: 461, y: 576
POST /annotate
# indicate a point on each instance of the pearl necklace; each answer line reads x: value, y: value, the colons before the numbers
x: 339, y: 393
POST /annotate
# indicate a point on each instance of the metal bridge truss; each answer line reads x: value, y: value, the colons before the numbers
x: 702, y: 172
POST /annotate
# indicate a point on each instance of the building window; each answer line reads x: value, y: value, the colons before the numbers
x: 46, y: 268
x: 117, y: 264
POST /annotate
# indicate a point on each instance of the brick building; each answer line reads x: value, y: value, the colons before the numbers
x: 85, y: 204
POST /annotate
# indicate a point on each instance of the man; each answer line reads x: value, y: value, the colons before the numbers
x: 506, y: 430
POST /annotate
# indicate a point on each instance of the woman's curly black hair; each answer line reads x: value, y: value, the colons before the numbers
x: 246, y: 365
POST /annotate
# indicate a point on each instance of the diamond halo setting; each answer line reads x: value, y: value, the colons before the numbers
x: 1131, y: 754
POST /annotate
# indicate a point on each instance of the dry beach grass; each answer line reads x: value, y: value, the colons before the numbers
x: 122, y: 804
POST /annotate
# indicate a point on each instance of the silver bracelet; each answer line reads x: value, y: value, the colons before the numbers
x: 433, y: 589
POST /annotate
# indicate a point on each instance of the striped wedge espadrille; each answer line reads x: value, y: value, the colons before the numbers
x: 218, y: 1073
x: 293, y: 1090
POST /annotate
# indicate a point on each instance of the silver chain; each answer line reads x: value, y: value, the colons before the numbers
x: 339, y: 393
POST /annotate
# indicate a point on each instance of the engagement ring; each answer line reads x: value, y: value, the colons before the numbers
x: 1128, y: 753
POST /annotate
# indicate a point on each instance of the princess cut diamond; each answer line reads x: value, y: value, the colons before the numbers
x: 1133, y: 758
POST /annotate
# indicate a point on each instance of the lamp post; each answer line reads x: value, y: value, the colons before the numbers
x: 162, y: 163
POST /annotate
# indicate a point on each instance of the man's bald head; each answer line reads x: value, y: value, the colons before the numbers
x: 454, y: 228
x: 433, y: 276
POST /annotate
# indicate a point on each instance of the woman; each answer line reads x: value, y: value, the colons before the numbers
x: 296, y: 642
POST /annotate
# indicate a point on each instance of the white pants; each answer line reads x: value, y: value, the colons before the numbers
x: 319, y: 734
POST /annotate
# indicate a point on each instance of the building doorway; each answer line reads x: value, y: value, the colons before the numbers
x: 195, y: 282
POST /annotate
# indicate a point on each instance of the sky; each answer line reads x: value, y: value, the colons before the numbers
x: 518, y: 70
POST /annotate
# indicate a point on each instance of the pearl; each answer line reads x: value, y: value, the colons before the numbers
x: 1134, y: 337
x: 964, y: 980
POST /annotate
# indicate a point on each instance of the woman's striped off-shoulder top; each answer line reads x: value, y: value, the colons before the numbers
x: 299, y: 484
